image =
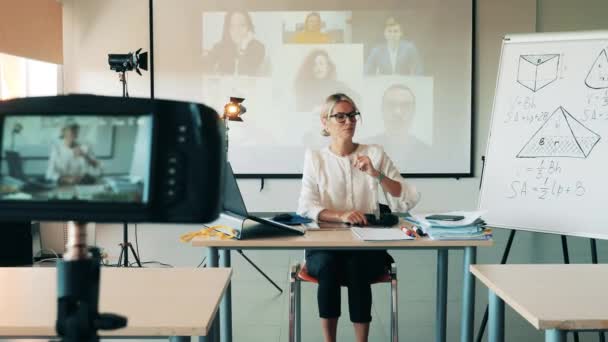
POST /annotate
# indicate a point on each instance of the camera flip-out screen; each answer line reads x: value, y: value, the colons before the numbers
x: 94, y: 158
x: 110, y: 159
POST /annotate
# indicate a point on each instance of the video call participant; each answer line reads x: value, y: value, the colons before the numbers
x: 238, y: 52
x: 340, y: 183
x: 398, y: 112
x: 316, y: 77
x: 395, y: 55
x: 311, y: 33
x: 72, y: 162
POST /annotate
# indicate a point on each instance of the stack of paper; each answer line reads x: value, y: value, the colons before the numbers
x: 472, y: 227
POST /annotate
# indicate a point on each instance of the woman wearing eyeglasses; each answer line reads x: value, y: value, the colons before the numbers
x: 340, y: 183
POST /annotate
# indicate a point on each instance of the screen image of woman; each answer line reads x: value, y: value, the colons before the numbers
x: 340, y: 183
x: 311, y: 32
x: 238, y: 52
x: 317, y: 76
x: 71, y: 161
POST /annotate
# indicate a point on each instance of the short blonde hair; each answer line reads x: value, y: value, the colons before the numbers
x: 390, y: 22
x: 333, y: 100
x: 330, y: 103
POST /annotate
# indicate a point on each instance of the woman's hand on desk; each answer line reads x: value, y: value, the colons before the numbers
x: 69, y: 180
x: 354, y: 217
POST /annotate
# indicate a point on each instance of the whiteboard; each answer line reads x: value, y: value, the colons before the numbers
x: 546, y: 161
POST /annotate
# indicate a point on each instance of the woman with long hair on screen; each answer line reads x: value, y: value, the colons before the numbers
x: 316, y: 77
x: 238, y: 52
x: 340, y: 183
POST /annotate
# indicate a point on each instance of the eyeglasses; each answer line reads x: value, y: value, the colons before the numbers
x: 341, y: 117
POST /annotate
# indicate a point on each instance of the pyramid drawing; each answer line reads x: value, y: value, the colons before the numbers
x: 597, y: 78
x: 560, y: 136
x: 537, y: 71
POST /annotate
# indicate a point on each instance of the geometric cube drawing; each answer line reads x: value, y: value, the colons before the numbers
x: 560, y: 136
x: 597, y: 78
x: 537, y: 71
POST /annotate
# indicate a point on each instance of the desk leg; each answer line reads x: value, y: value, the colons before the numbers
x: 213, y: 334
x: 298, y: 300
x: 442, y: 295
x: 468, y: 295
x: 496, y: 310
x: 179, y: 339
x: 226, y: 304
x: 554, y: 335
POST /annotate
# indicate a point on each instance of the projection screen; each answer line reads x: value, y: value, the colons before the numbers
x: 406, y: 64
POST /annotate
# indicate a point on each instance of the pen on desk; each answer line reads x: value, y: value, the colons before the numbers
x: 415, y: 231
x: 408, y: 232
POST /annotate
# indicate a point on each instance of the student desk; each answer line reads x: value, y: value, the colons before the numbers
x: 157, y: 302
x: 335, y: 238
x: 554, y: 298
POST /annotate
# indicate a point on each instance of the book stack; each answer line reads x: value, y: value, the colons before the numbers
x: 470, y: 227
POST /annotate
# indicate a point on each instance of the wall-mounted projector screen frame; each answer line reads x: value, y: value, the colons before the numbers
x: 421, y: 110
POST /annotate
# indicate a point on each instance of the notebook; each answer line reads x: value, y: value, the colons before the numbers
x: 380, y: 234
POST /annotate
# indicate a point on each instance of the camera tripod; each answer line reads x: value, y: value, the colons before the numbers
x: 78, y: 275
x: 125, y: 246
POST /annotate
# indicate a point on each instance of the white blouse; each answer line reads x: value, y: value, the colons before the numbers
x: 63, y: 162
x: 331, y: 182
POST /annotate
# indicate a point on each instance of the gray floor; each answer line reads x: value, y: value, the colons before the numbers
x: 260, y: 312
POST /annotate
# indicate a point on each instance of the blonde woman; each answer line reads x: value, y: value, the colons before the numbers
x: 340, y: 183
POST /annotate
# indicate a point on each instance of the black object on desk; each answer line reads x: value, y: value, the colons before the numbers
x: 16, y: 244
x: 385, y: 220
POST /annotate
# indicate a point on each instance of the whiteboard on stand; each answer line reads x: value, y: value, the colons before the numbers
x: 547, y: 157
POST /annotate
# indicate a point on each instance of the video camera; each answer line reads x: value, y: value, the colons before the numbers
x: 110, y: 159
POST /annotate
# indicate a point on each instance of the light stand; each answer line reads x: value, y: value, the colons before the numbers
x: 125, y: 246
x: 122, y: 76
x: 78, y: 275
x: 122, y: 63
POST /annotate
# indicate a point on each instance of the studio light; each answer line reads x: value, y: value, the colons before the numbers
x: 127, y: 62
x: 234, y: 109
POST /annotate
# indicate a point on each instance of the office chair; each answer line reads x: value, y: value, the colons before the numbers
x: 299, y: 274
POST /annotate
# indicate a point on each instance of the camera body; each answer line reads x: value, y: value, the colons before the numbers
x: 156, y: 160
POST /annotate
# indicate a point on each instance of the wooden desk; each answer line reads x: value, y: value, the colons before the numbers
x: 554, y: 298
x: 157, y: 302
x: 344, y: 239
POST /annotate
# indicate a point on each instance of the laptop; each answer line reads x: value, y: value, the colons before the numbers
x: 15, y: 170
x: 234, y: 205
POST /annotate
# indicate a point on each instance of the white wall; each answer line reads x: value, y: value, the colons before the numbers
x: 495, y: 18
x: 94, y: 28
